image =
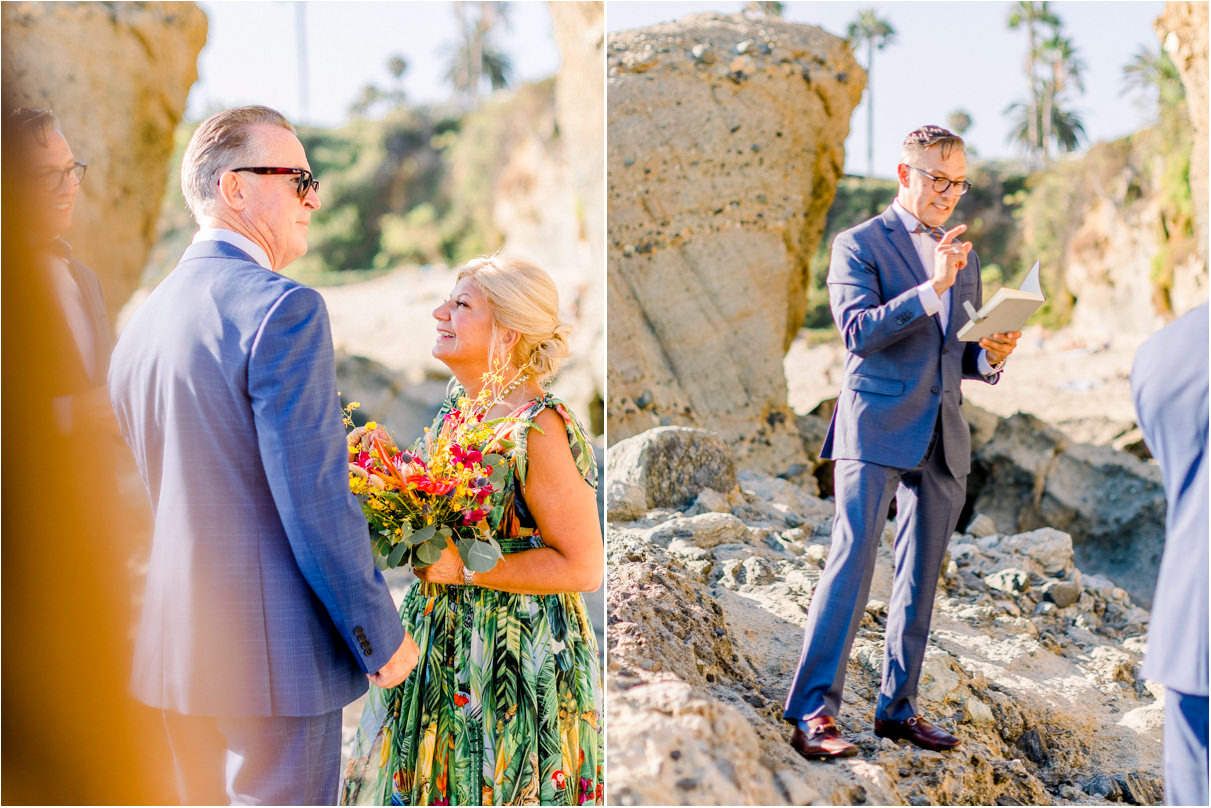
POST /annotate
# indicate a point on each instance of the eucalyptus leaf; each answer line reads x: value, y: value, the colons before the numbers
x: 380, y: 562
x: 478, y: 556
x: 427, y: 554
x: 492, y: 459
x: 397, y: 554
x: 421, y: 536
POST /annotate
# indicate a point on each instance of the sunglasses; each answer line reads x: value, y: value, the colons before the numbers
x: 306, y: 180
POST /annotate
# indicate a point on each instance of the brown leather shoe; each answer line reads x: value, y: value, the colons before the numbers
x: 822, y: 740
x: 916, y: 730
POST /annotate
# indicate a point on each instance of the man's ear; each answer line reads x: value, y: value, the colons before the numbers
x: 231, y: 190
x: 902, y: 173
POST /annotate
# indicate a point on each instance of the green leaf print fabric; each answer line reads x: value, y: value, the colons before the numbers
x: 504, y: 706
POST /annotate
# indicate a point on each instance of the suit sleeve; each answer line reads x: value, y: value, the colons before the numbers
x: 972, y: 350
x: 868, y: 323
x: 292, y: 383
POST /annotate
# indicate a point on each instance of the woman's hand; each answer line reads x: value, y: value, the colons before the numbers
x: 446, y: 570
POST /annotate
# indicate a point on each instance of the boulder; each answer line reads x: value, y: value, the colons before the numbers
x: 117, y: 76
x: 1111, y: 503
x: 726, y: 142
x: 392, y: 398
x: 668, y: 467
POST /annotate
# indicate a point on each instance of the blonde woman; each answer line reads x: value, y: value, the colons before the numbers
x: 504, y: 707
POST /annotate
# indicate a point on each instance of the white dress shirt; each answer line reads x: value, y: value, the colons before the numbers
x: 235, y: 240
x: 933, y: 303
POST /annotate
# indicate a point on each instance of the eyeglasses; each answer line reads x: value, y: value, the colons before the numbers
x: 53, y: 180
x: 306, y: 180
x: 941, y: 185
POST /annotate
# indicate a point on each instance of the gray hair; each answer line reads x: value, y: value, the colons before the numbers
x: 220, y: 142
x: 927, y: 137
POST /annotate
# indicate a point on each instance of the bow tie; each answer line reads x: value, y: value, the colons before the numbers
x: 935, y: 233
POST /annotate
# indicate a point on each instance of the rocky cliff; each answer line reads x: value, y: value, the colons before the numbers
x: 117, y: 76
x: 1183, y: 32
x: 1032, y: 663
x: 726, y: 139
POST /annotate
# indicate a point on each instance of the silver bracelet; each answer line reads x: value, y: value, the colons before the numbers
x: 467, y: 577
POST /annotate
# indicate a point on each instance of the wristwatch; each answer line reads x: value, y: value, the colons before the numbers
x: 467, y: 577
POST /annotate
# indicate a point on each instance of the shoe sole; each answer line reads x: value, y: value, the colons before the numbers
x: 919, y: 746
x: 845, y: 753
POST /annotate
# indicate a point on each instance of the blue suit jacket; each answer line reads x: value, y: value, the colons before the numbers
x: 1169, y: 386
x: 900, y: 369
x: 262, y: 598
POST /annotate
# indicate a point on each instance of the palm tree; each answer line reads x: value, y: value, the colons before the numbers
x: 877, y: 33
x: 959, y: 121
x: 1032, y: 16
x: 476, y: 58
x: 1152, y: 75
x: 1067, y: 71
x: 1066, y: 128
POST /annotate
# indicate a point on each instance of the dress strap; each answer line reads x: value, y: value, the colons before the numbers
x: 578, y: 437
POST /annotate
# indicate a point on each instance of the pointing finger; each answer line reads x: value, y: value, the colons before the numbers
x: 951, y: 233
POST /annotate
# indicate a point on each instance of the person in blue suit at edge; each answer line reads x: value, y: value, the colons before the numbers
x: 897, y: 284
x: 264, y: 614
x: 1169, y: 388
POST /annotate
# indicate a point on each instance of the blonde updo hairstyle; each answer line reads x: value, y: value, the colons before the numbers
x: 523, y: 298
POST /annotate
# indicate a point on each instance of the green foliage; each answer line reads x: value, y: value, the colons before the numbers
x: 417, y: 186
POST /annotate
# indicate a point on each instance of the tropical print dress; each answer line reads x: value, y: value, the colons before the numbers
x: 504, y: 706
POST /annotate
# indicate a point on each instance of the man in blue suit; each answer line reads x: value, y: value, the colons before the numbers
x: 264, y: 614
x: 897, y: 285
x: 1169, y: 387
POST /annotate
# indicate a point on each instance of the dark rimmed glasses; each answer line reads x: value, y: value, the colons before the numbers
x: 941, y: 185
x: 53, y: 180
x: 306, y: 180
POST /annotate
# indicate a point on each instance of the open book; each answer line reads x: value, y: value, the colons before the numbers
x: 1008, y: 310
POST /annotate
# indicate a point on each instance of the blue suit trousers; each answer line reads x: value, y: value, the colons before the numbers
x: 267, y: 760
x: 928, y: 500
x: 1185, y: 748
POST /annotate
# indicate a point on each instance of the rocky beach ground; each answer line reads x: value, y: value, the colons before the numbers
x: 1032, y: 663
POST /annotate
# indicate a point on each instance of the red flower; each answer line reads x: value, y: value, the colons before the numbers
x: 363, y: 460
x: 560, y: 781
x: 424, y: 483
x: 600, y: 790
x: 460, y: 699
x: 468, y: 457
x: 471, y: 517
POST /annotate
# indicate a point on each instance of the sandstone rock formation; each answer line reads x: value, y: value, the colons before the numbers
x: 548, y: 194
x: 1183, y: 32
x: 1027, y: 475
x: 1032, y: 663
x: 117, y: 76
x: 726, y: 139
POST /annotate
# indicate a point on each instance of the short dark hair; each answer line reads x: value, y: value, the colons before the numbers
x: 926, y: 137
x: 33, y: 123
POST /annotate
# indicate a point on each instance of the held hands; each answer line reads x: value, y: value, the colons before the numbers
x: 948, y: 258
x: 446, y: 570
x: 1000, y: 346
x: 398, y: 666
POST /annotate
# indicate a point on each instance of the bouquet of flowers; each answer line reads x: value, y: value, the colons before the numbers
x: 438, y: 489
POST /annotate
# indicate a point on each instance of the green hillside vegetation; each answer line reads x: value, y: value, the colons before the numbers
x: 413, y: 187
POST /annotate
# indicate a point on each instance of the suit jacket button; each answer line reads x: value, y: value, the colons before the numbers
x: 945, y: 351
x: 934, y: 390
x: 367, y: 650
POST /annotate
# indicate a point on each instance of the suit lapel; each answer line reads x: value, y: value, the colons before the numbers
x: 900, y: 239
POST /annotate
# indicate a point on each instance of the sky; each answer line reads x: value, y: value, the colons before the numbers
x: 252, y: 53
x: 947, y: 55
x: 951, y: 55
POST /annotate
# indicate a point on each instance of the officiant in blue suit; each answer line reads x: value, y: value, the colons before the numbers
x: 1169, y: 387
x: 264, y: 614
x: 897, y: 286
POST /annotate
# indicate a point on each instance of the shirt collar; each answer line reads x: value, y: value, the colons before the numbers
x: 909, y: 221
x: 236, y: 240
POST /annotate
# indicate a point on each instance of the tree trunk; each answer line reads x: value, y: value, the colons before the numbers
x: 870, y: 109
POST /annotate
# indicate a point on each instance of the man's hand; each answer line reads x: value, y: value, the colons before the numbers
x: 1000, y: 346
x: 398, y: 666
x: 446, y: 570
x: 948, y: 258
